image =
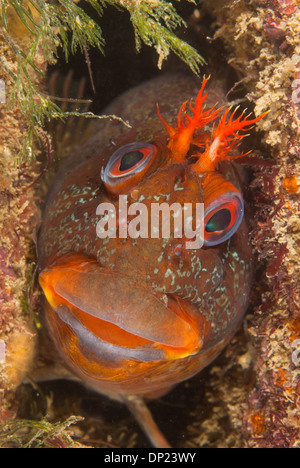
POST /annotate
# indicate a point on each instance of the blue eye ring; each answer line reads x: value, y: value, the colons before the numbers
x: 113, y: 172
x: 233, y: 204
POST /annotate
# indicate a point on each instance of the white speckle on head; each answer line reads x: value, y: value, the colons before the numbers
x: 168, y: 273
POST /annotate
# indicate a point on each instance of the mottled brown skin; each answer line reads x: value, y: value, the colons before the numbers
x: 143, y: 280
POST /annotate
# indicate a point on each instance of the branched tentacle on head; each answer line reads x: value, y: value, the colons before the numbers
x: 220, y: 144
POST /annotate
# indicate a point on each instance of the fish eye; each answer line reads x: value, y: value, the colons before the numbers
x: 219, y: 221
x: 129, y: 161
x: 222, y: 218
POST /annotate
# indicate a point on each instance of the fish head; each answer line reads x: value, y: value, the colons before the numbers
x: 146, y: 272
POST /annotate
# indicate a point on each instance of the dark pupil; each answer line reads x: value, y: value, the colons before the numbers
x: 219, y: 221
x: 130, y: 159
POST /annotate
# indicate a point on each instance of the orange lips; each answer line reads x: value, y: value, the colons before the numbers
x: 99, y: 300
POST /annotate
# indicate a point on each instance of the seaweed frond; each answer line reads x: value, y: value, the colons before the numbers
x: 154, y: 23
x: 21, y: 433
x: 48, y: 26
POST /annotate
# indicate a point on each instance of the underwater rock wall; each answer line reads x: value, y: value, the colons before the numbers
x: 263, y: 43
x: 18, y: 221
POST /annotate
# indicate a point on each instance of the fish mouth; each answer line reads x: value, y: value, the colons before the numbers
x: 114, y: 318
